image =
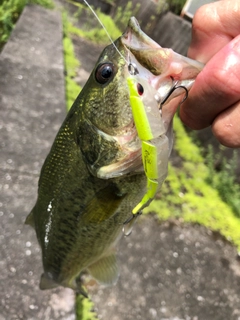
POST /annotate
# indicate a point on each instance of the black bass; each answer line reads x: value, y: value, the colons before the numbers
x: 94, y: 175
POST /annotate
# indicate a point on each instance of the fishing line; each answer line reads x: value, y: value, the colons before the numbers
x: 109, y: 37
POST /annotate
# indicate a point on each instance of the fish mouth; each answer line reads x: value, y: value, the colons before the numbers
x: 162, y: 69
x: 134, y: 37
x: 146, y: 51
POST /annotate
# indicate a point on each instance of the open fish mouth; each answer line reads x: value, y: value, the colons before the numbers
x: 162, y: 71
x: 159, y: 66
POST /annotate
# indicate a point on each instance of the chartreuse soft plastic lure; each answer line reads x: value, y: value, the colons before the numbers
x: 151, y: 132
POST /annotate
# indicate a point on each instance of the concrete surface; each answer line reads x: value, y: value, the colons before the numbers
x: 168, y: 271
x: 32, y: 105
x: 173, y: 272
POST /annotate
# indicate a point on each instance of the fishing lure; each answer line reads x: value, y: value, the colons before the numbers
x: 150, y: 129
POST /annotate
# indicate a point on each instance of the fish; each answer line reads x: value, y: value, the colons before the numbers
x: 96, y: 172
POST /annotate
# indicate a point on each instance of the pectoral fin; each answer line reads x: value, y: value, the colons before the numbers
x: 105, y: 270
x: 102, y: 206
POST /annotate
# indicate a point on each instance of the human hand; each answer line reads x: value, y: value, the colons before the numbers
x: 214, y: 99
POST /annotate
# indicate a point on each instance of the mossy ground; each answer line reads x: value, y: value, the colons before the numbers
x: 71, y: 63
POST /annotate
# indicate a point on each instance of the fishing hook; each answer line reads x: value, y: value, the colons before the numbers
x: 134, y: 216
x: 175, y: 87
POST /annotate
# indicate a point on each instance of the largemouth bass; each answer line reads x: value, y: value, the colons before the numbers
x: 94, y: 175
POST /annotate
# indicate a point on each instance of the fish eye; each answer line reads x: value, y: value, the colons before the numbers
x: 140, y: 89
x: 104, y: 73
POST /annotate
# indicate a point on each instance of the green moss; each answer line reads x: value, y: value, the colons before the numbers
x: 123, y: 14
x: 72, y: 91
x: 71, y: 64
x: 184, y: 145
x: 224, y: 178
x: 92, y: 30
x: 187, y: 194
x: 49, y: 4
x: 98, y: 35
x: 10, y: 11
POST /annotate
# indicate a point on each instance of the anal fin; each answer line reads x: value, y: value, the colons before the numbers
x: 29, y: 220
x: 105, y: 270
x: 47, y: 283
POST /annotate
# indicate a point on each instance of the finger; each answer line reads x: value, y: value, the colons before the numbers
x: 214, y: 25
x: 226, y: 127
x: 215, y: 89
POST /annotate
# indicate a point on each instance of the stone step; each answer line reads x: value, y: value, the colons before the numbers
x: 32, y: 104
